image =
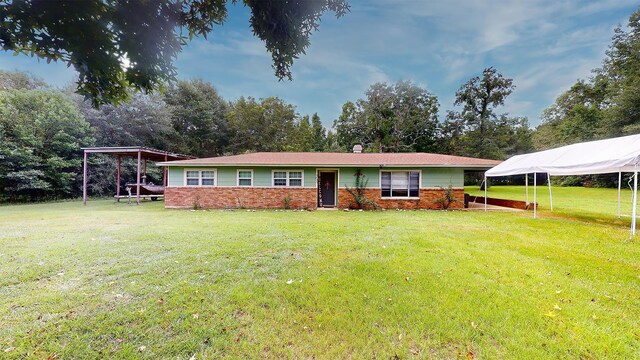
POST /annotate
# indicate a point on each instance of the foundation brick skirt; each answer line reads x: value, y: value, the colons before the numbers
x: 427, y: 200
x: 298, y: 198
x: 239, y: 197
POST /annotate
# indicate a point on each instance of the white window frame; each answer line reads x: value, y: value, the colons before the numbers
x: 288, y: 179
x: 200, y: 170
x: 238, y: 177
x: 408, y: 190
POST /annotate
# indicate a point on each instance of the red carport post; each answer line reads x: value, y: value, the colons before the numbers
x: 164, y: 173
x: 84, y: 180
x: 118, y: 179
x: 138, y: 182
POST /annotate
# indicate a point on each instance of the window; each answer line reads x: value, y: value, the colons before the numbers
x: 279, y: 178
x: 295, y: 178
x: 208, y: 178
x: 287, y: 178
x: 193, y: 178
x: 245, y: 177
x: 400, y: 183
x: 200, y: 177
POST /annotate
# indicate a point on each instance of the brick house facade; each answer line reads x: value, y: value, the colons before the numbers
x: 313, y: 180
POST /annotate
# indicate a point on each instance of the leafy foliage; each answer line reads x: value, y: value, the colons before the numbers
x: 319, y: 134
x: 607, y: 104
x: 477, y: 130
x: 113, y: 48
x: 253, y: 122
x: 577, y: 115
x: 393, y: 118
x: 198, y: 116
x: 41, y: 132
x: 143, y: 120
x: 448, y: 197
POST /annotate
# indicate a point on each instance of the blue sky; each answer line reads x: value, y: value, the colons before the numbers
x: 545, y: 46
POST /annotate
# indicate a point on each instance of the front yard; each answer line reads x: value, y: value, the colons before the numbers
x: 113, y: 280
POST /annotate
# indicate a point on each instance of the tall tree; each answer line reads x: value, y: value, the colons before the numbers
x: 577, y: 115
x: 622, y: 70
x: 333, y: 144
x: 261, y: 126
x: 605, y: 105
x: 143, y: 120
x: 198, y: 115
x: 303, y: 135
x: 119, y: 44
x: 477, y: 130
x: 41, y: 133
x: 393, y: 118
x: 319, y: 141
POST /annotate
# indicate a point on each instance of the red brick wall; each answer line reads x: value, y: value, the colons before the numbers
x: 238, y: 197
x: 427, y: 199
x: 301, y: 198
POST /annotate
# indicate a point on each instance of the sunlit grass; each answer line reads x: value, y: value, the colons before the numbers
x: 117, y: 281
x: 573, y: 203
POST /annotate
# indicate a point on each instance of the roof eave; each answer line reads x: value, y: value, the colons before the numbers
x: 466, y: 166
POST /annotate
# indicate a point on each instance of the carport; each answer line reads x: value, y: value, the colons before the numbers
x: 143, y: 154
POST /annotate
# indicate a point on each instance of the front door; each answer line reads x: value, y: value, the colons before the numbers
x: 327, y: 189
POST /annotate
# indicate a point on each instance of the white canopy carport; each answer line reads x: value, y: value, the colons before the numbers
x: 594, y: 157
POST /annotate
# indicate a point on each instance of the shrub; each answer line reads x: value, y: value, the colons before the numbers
x: 287, y: 202
x: 448, y: 197
x: 196, y: 203
x: 360, y: 200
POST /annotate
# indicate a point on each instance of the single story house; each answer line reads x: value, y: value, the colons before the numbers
x: 311, y: 180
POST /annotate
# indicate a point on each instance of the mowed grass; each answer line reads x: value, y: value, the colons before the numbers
x: 577, y: 203
x: 120, y: 281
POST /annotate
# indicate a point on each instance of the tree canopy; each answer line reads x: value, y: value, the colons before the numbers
x: 41, y: 132
x: 393, y: 118
x: 198, y: 116
x: 115, y: 45
x: 477, y: 130
x: 605, y: 105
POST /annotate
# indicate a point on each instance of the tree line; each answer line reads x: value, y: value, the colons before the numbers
x: 42, y: 128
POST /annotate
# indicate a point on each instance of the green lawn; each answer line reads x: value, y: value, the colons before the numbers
x: 117, y: 281
x: 586, y: 204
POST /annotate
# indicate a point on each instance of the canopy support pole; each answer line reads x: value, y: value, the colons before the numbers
x: 138, y: 182
x: 619, y: 186
x: 535, y: 194
x: 84, y: 180
x: 485, y: 193
x: 635, y: 198
x: 526, y: 187
x: 550, y: 195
